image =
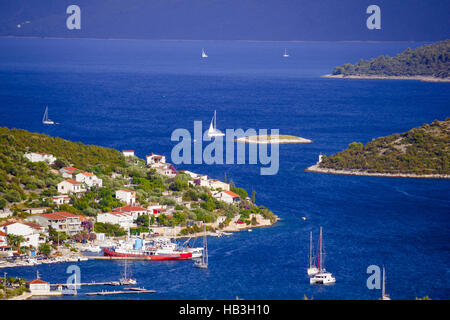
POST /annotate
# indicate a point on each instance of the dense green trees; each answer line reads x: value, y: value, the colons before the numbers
x: 428, y: 60
x: 422, y: 150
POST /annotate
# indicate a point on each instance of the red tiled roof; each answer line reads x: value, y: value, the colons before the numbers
x: 88, y: 174
x: 33, y: 225
x: 130, y: 208
x: 71, y: 181
x: 70, y: 168
x: 66, y: 214
x: 231, y: 193
x: 126, y: 190
x: 2, y: 233
x: 37, y: 281
x: 127, y: 150
x: 53, y: 216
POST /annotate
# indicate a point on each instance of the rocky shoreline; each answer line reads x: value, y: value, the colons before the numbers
x: 316, y: 168
x: 419, y: 78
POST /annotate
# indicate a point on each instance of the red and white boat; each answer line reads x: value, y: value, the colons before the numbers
x: 153, y: 250
x: 148, y: 255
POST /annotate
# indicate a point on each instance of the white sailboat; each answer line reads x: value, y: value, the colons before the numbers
x: 213, y: 131
x: 322, y: 277
x: 384, y: 296
x: 125, y: 280
x: 203, y: 262
x: 204, y: 55
x: 285, y: 53
x: 312, y: 270
x: 45, y: 119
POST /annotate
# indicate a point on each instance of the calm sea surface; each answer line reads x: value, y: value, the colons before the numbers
x: 129, y: 94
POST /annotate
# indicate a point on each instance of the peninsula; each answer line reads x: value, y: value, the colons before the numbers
x: 422, y: 152
x: 429, y: 63
x: 272, y: 139
x: 55, y: 193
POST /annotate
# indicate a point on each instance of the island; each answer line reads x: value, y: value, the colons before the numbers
x: 422, y: 152
x: 429, y: 63
x: 59, y: 198
x: 272, y: 139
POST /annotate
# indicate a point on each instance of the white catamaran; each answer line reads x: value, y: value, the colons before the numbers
x: 312, y: 270
x: 203, y: 262
x: 204, y: 55
x: 322, y: 277
x: 213, y: 131
x: 45, y: 119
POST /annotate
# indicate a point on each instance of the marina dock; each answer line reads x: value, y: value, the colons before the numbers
x: 131, y: 290
x: 108, y: 283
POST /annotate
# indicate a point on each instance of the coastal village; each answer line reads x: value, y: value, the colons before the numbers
x: 193, y: 203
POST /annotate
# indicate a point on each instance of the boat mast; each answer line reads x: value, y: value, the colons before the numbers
x: 383, y: 287
x: 215, y: 125
x: 206, y: 248
x: 310, y: 249
x: 320, y: 258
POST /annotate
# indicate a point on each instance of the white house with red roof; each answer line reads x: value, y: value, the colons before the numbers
x: 123, y: 219
x: 39, y: 156
x: 29, y: 231
x: 70, y: 186
x: 134, y: 210
x: 227, y: 196
x: 68, y: 172
x: 89, y: 179
x: 60, y: 221
x: 128, y: 153
x: 165, y: 169
x: 217, y: 184
x: 127, y: 196
x: 61, y: 199
x: 155, y: 158
x: 5, y: 249
x: 38, y: 287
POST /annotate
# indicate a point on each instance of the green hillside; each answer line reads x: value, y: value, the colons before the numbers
x: 422, y: 150
x: 429, y: 60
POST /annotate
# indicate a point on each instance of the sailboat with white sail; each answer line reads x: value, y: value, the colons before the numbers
x: 213, y: 131
x: 285, y: 55
x: 126, y: 280
x: 45, y: 119
x: 312, y: 269
x: 203, y: 262
x: 204, y: 55
x: 384, y: 295
x: 322, y: 277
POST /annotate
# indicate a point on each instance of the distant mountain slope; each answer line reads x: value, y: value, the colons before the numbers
x: 429, y: 60
x: 423, y: 150
x: 324, y: 20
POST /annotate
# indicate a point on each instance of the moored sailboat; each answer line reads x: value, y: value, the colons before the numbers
x: 312, y: 269
x: 204, y: 55
x: 285, y: 53
x: 203, y: 262
x: 322, y: 277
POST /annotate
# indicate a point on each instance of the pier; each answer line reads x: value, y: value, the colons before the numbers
x: 129, y: 291
x: 108, y: 283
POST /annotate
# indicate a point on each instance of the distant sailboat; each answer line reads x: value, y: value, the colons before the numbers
x: 204, y: 55
x: 213, y: 131
x: 45, y: 119
x: 384, y: 296
x: 203, y: 263
x: 285, y: 53
x: 312, y: 270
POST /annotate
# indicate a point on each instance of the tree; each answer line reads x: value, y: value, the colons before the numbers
x: 45, y: 249
x: 253, y: 196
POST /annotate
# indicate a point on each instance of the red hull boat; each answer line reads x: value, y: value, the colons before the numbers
x: 149, y: 256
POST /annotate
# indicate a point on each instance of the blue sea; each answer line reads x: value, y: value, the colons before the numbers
x: 132, y: 94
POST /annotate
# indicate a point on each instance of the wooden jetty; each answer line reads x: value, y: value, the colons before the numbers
x: 133, y: 290
x: 109, y: 283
